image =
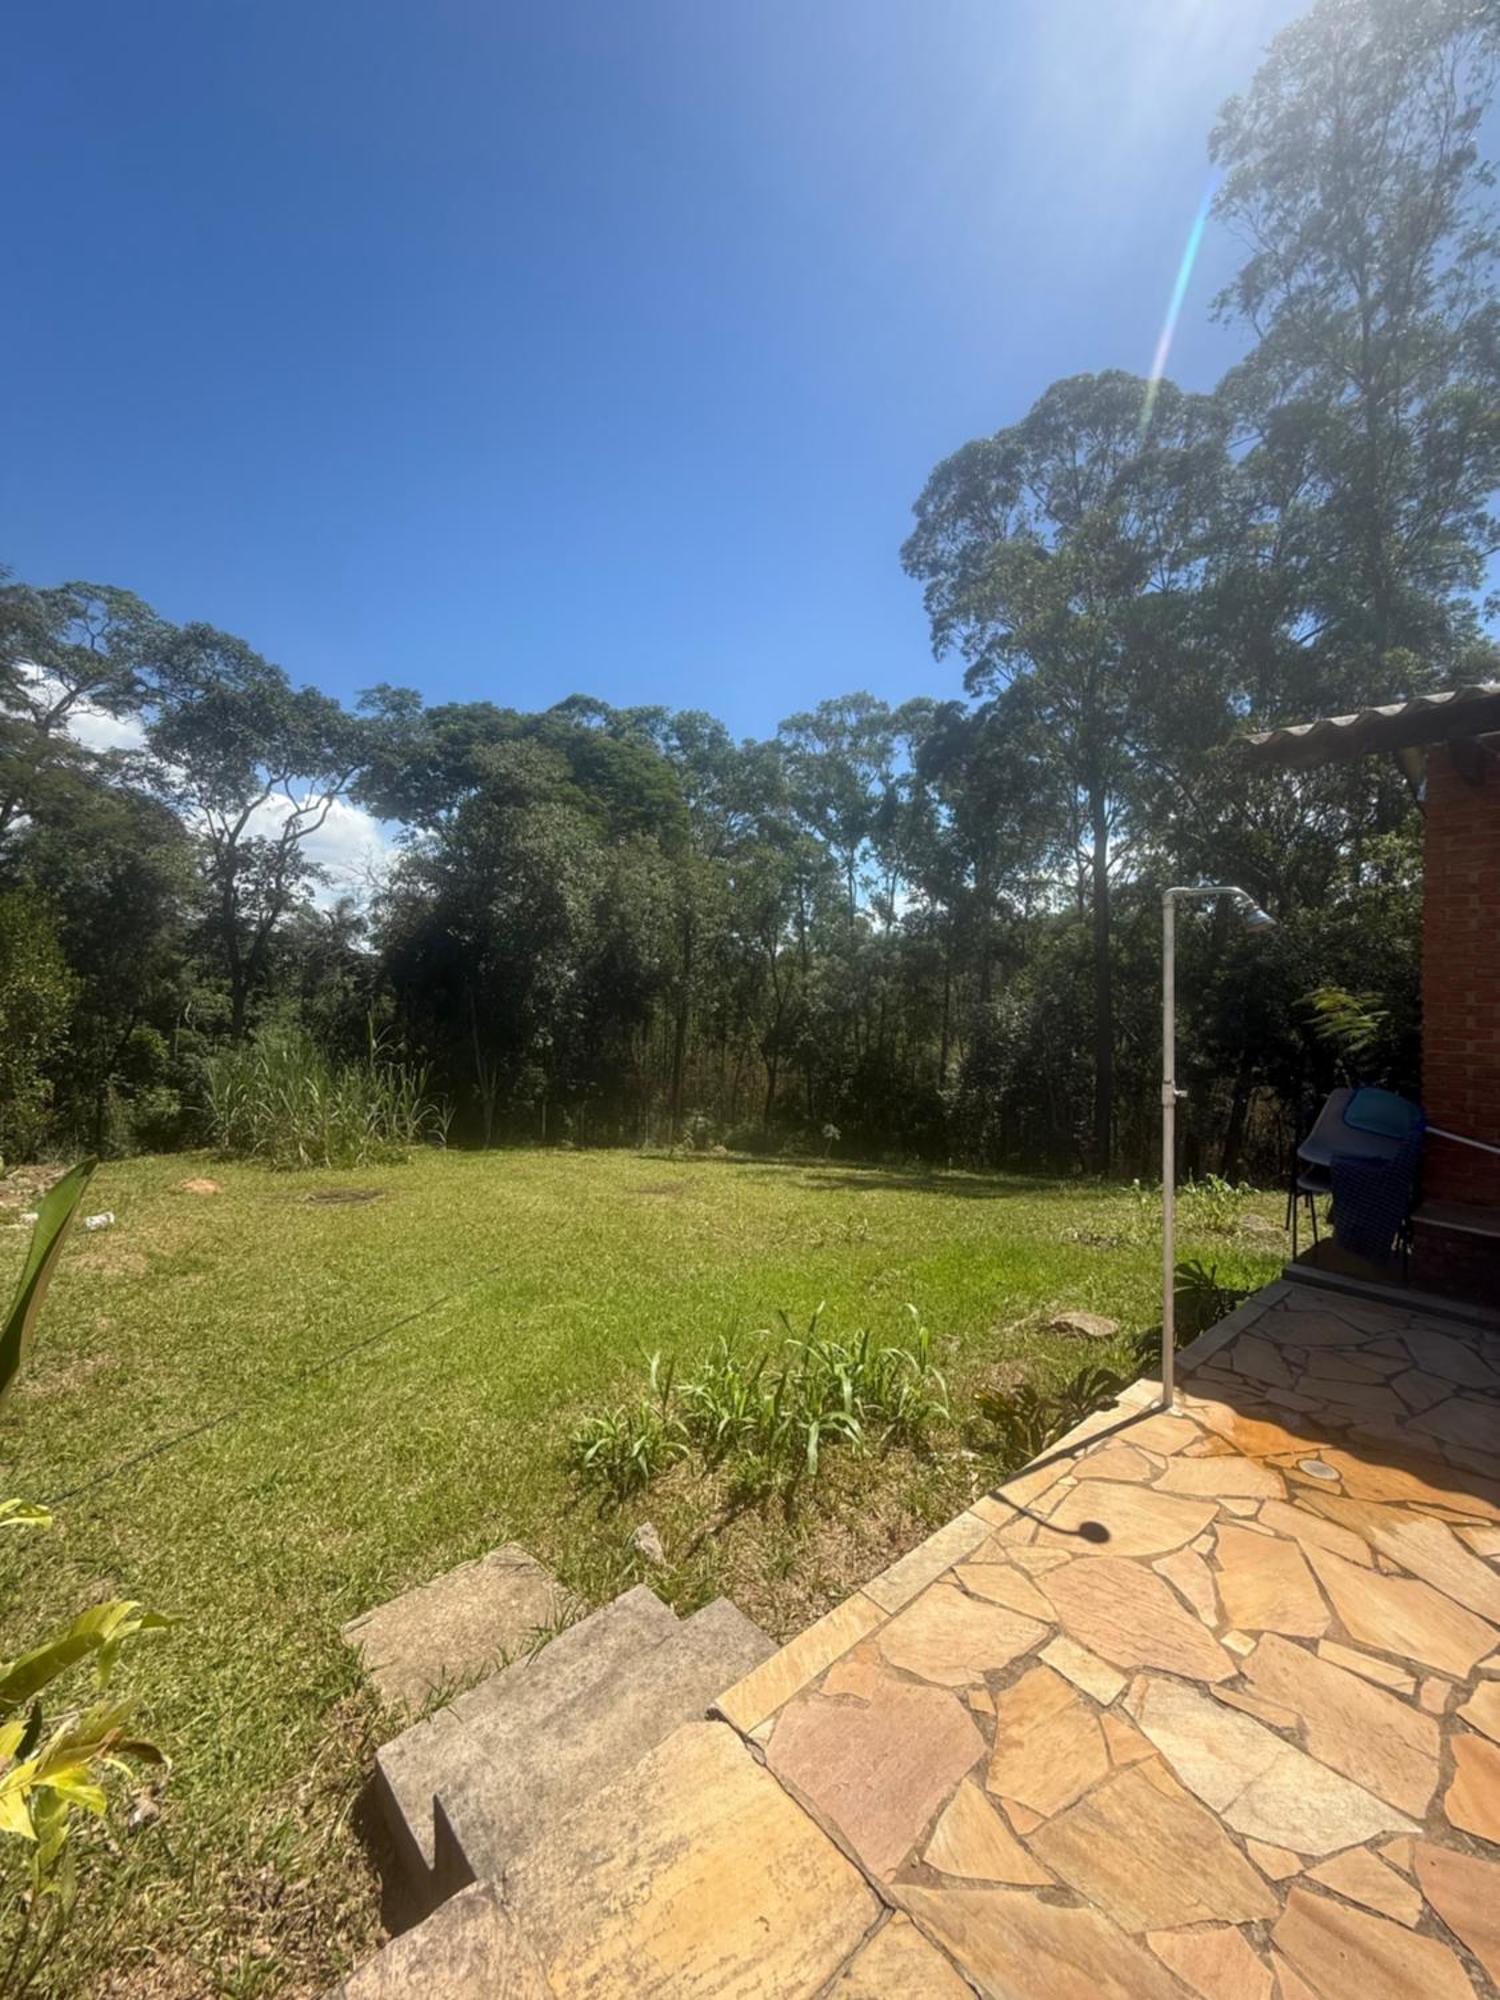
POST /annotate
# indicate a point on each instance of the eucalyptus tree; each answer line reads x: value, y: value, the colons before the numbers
x: 1066, y: 552
x: 1368, y: 409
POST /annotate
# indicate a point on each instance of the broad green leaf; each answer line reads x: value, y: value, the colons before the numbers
x: 24, y: 1514
x: 58, y: 1208
x: 100, y: 1631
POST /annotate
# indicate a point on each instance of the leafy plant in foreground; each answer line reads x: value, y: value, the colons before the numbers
x: 53, y: 1759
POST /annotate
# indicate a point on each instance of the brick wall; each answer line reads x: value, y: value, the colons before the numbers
x: 1461, y: 978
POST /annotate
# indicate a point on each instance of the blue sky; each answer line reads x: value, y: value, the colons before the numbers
x: 506, y: 351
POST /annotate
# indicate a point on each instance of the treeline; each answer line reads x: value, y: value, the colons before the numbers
x: 930, y: 930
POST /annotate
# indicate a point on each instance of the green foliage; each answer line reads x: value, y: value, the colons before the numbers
x: 278, y: 1098
x: 36, y: 992
x: 57, y: 1745
x: 771, y: 1409
x: 1200, y: 1300
x: 1352, y: 1024
x: 1027, y: 1419
x: 54, y: 1219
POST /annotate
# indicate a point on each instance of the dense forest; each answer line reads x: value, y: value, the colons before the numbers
x: 927, y: 931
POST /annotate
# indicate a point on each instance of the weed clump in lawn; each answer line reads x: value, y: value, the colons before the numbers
x: 279, y: 1098
x: 770, y: 1411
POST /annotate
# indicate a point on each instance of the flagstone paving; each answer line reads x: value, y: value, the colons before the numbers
x: 1203, y: 1706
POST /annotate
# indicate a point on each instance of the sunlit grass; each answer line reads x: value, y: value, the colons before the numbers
x: 271, y: 1413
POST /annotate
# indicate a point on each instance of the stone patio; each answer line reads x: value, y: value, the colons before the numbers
x: 1204, y: 1704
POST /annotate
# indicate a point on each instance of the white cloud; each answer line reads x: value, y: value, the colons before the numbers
x: 97, y: 730
x: 353, y: 846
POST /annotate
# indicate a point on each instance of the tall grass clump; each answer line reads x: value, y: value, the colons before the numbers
x: 771, y: 1409
x: 279, y: 1098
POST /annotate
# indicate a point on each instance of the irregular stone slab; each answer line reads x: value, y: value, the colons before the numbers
x: 1151, y: 1858
x: 1483, y: 1541
x: 477, y: 1617
x: 954, y: 1639
x: 1217, y: 1965
x: 1258, y: 1784
x: 1162, y: 1433
x: 972, y: 1840
x: 1269, y: 1712
x: 1300, y: 1524
x: 876, y: 1773
x: 691, y: 1877
x: 1419, y: 1391
x: 1261, y: 1360
x: 1482, y: 1709
x: 1462, y: 1420
x: 1049, y: 1747
x: 1230, y: 1477
x: 1367, y: 1667
x: 1002, y: 1583
x: 1084, y: 1669
x: 1375, y: 1738
x: 855, y: 1675
x: 1125, y: 1742
x: 1472, y: 1801
x: 468, y: 1949
x: 1192, y: 1578
x: 1358, y: 1875
x: 924, y: 1564
x: 1429, y: 1484
x: 1454, y: 1360
x: 1016, y: 1947
x: 1119, y: 1462
x: 1255, y: 1437
x: 1342, y: 1951
x: 1124, y: 1520
x: 1276, y: 1862
x: 751, y: 1700
x: 1132, y: 1619
x: 1267, y: 1587
x: 1465, y: 1892
x: 1394, y: 1614
x: 899, y: 1964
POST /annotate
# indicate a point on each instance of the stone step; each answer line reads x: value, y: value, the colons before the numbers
x: 694, y: 1876
x: 469, y: 1949
x: 502, y: 1801
x: 467, y: 1622
x: 412, y: 1768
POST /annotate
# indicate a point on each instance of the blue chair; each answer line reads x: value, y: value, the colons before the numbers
x: 1364, y: 1127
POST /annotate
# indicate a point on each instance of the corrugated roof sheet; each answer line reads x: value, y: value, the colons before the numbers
x: 1425, y: 718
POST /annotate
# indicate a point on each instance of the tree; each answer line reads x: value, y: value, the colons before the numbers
x: 79, y: 648
x: 1067, y: 552
x: 1368, y: 411
x: 254, y: 766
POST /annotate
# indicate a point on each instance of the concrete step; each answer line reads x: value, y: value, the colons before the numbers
x: 412, y: 1768
x: 469, y: 1949
x: 522, y: 1778
x: 467, y: 1622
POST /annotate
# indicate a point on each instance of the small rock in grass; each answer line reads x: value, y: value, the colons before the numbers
x: 647, y: 1542
x: 1091, y: 1326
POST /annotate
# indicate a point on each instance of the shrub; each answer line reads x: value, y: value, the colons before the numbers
x: 771, y: 1407
x: 278, y: 1098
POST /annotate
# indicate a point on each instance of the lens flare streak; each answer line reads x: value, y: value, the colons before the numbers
x: 1174, y: 307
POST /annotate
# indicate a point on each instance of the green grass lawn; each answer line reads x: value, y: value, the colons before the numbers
x: 265, y: 1414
